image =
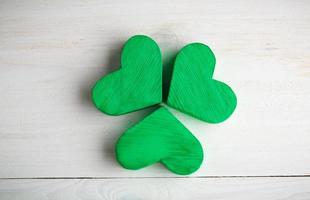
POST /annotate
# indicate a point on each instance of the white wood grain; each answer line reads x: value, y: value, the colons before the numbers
x: 52, y: 52
x: 158, y: 188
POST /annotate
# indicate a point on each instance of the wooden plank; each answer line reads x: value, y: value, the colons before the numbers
x: 158, y: 188
x: 51, y: 53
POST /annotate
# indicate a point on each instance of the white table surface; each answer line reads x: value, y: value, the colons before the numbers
x: 54, y: 144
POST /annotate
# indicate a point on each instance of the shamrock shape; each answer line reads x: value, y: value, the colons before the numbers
x: 137, y: 84
x: 193, y: 90
x: 160, y: 137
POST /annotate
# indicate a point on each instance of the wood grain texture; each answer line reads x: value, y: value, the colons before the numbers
x: 160, y: 137
x: 52, y: 52
x: 163, y: 189
x: 138, y: 82
x: 194, y: 91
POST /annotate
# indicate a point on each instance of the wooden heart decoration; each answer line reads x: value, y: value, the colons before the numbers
x: 194, y: 91
x: 160, y: 137
x: 137, y: 84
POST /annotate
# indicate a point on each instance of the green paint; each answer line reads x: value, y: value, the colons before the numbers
x: 137, y: 84
x: 193, y: 90
x: 160, y: 137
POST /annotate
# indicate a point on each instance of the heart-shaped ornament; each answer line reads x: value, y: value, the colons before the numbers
x: 194, y: 91
x: 160, y: 137
x: 137, y: 84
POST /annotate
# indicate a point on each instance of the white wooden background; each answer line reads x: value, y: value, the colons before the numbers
x: 55, y: 145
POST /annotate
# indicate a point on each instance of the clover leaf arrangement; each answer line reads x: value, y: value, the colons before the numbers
x: 160, y: 137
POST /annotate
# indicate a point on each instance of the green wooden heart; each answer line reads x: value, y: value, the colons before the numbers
x: 193, y: 90
x: 160, y: 137
x: 137, y: 84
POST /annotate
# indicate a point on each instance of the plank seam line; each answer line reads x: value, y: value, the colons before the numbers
x: 159, y: 177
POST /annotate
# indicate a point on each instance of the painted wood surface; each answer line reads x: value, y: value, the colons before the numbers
x: 158, y: 188
x: 160, y: 138
x: 193, y: 90
x: 52, y: 52
x: 137, y: 84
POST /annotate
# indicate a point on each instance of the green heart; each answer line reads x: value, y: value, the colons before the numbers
x: 193, y: 90
x: 160, y: 137
x: 137, y: 84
